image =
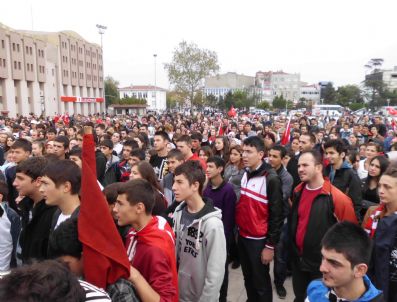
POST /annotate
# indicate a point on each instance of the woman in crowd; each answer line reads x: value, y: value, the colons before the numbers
x: 377, y: 167
x: 205, y: 152
x: 143, y: 170
x: 353, y: 142
x: 38, y: 148
x: 234, y: 169
x: 372, y: 149
x: 10, y: 141
x: 221, y: 147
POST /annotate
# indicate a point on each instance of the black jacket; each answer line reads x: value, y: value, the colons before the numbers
x: 292, y: 168
x: 347, y: 180
x: 34, y: 236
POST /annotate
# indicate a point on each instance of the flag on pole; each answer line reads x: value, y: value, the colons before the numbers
x: 287, y: 133
x: 232, y: 112
x: 104, y: 256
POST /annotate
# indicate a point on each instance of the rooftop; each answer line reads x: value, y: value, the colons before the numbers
x: 142, y: 88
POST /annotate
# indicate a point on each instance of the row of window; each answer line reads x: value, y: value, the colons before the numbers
x: 17, y: 65
x: 15, y: 47
x: 29, y: 50
x: 29, y: 67
x: 40, y: 53
x: 41, y: 69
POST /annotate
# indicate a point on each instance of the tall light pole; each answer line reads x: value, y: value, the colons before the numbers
x: 155, y: 79
x: 101, y: 31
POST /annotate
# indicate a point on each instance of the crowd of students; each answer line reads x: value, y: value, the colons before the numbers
x: 189, y: 197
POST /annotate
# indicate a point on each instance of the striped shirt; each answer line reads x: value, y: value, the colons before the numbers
x: 93, y: 293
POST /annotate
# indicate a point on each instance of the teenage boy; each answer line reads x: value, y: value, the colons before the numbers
x: 346, y: 253
x: 276, y: 156
x: 61, y: 147
x: 184, y: 144
x: 316, y: 206
x: 112, y: 172
x: 222, y: 194
x: 151, y: 246
x: 20, y: 151
x: 259, y: 217
x: 201, y: 244
x: 124, y: 166
x: 197, y: 138
x: 341, y: 174
x: 159, y: 160
x: 36, y: 224
x: 174, y: 159
x: 60, y: 186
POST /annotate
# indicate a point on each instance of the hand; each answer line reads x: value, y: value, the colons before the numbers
x: 134, y: 275
x: 88, y: 130
x: 267, y: 255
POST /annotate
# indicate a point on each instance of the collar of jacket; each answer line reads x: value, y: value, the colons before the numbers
x: 326, y: 188
x: 262, y: 170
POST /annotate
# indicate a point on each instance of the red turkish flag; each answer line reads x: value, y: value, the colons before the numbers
x: 287, y: 133
x: 232, y: 112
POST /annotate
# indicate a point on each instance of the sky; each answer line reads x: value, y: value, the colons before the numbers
x: 321, y: 40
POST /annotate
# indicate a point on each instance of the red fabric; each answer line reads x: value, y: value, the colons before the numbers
x: 202, y: 162
x: 154, y: 257
x: 372, y: 222
x: 304, y: 208
x: 287, y: 133
x: 105, y: 259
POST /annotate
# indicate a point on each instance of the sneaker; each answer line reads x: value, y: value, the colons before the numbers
x: 281, y: 292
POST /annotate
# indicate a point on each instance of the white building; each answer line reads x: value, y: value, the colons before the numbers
x: 388, y: 76
x: 310, y: 93
x: 155, y: 97
x: 49, y: 73
x: 221, y: 84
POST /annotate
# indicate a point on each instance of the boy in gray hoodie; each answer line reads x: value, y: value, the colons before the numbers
x: 200, y: 238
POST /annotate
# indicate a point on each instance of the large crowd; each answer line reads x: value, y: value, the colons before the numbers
x: 160, y: 207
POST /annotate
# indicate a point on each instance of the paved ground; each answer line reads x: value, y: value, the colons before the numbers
x: 236, y: 291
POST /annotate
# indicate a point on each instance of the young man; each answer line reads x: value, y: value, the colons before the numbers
x: 174, y: 159
x: 346, y: 253
x: 222, y: 194
x: 201, y: 244
x: 136, y: 156
x: 112, y: 173
x: 184, y: 144
x: 316, y: 206
x: 20, y: 151
x: 124, y: 166
x: 158, y: 160
x: 276, y: 157
x: 259, y: 217
x: 197, y: 138
x: 37, y: 217
x: 60, y: 186
x: 341, y: 173
x: 151, y: 246
x: 61, y: 147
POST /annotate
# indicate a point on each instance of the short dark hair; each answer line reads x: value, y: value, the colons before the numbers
x: 32, y: 167
x: 281, y: 149
x: 64, y: 240
x: 51, y: 130
x: 350, y: 240
x: 256, y: 142
x: 22, y: 143
x: 337, y: 144
x: 4, y: 189
x: 131, y: 143
x: 76, y: 151
x: 49, y: 280
x: 107, y: 143
x: 193, y: 171
x: 62, y: 171
x: 218, y: 161
x: 311, y: 136
x: 102, y: 126
x: 175, y: 153
x: 318, y: 160
x: 111, y: 192
x: 139, y: 190
x: 139, y: 153
x: 63, y: 140
x: 196, y: 136
x: 185, y: 138
x: 163, y: 134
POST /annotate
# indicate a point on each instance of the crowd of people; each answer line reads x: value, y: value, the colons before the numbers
x: 190, y: 197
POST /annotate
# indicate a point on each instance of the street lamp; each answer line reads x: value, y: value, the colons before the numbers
x: 101, y: 31
x: 155, y: 80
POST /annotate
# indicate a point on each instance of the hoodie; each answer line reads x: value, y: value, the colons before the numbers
x: 201, y: 254
x: 318, y: 292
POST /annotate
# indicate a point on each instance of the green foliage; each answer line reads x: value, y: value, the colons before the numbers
x: 356, y: 106
x: 279, y: 102
x: 237, y: 99
x: 130, y: 101
x: 189, y: 66
x: 264, y: 105
x: 329, y: 94
x: 348, y: 94
x: 111, y: 92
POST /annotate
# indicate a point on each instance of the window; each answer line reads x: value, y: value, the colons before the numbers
x: 30, y: 50
x: 18, y: 47
x: 4, y: 62
x: 28, y: 67
x: 19, y: 65
x: 27, y: 49
x: 15, y: 65
x: 31, y: 67
x: 3, y: 44
x: 13, y: 46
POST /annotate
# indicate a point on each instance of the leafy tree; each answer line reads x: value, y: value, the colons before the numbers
x: 111, y: 90
x: 174, y: 99
x: 130, y: 101
x: 345, y: 95
x: 279, y: 102
x: 198, y: 99
x: 211, y: 101
x: 264, y: 105
x: 328, y: 94
x: 189, y: 66
x: 356, y: 106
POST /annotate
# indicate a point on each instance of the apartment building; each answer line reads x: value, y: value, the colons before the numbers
x: 49, y: 73
x: 221, y: 84
x: 155, y: 97
x: 388, y: 76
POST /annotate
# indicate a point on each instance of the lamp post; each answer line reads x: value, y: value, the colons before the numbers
x: 155, y: 80
x: 101, y: 31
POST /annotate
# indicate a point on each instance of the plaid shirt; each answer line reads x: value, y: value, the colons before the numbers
x: 122, y: 291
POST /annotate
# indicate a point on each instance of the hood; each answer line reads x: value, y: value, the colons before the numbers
x: 207, y: 212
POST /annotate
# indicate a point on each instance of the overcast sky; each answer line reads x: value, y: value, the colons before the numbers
x: 321, y: 40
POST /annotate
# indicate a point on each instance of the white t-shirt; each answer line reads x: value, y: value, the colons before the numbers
x: 5, y: 242
x: 362, y: 173
x: 61, y: 219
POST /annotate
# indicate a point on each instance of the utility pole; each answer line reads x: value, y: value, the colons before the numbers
x: 101, y: 31
x: 155, y: 80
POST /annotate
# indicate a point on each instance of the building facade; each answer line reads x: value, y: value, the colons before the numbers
x: 310, y: 93
x: 155, y: 97
x: 388, y: 76
x: 222, y: 84
x: 49, y: 73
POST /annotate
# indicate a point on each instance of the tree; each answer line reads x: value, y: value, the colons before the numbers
x: 189, y: 66
x: 328, y: 94
x: 111, y: 91
x: 264, y: 105
x: 348, y: 94
x: 279, y: 102
x: 174, y: 99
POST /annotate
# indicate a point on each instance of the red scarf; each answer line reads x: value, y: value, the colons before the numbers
x: 372, y: 223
